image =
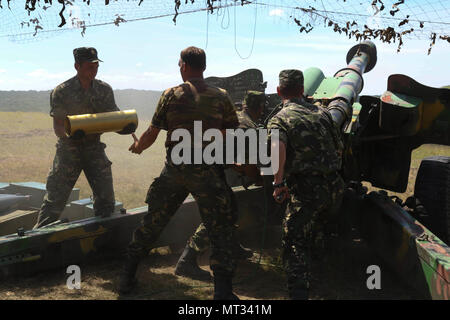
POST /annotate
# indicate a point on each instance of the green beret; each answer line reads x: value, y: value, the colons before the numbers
x: 291, y: 77
x: 254, y: 99
x: 85, y: 54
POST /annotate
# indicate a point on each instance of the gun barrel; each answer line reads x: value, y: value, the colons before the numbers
x: 360, y: 59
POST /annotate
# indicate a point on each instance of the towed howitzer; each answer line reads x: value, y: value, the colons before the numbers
x: 379, y: 140
x: 379, y: 134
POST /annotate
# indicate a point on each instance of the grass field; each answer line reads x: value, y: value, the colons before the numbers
x: 28, y: 147
x: 27, y: 150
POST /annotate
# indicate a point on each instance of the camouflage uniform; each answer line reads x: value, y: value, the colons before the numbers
x: 253, y: 100
x: 313, y: 158
x: 245, y: 121
x: 179, y: 107
x: 73, y: 156
x: 199, y: 240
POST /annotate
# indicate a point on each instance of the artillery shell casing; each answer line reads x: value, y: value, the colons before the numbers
x: 100, y: 122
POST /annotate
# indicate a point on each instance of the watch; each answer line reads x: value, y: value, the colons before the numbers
x: 279, y: 185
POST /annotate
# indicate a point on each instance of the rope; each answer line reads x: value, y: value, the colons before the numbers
x: 113, y: 22
x: 254, y: 33
x: 207, y: 29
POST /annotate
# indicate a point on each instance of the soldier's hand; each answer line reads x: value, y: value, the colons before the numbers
x: 78, y: 135
x: 129, y: 128
x: 280, y: 194
x: 134, y: 148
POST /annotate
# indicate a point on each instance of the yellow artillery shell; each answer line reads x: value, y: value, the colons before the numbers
x: 100, y: 122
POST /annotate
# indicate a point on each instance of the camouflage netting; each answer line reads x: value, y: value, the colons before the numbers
x: 391, y: 21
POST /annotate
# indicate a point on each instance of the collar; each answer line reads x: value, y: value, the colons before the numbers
x: 295, y: 100
x: 195, y: 80
x: 77, y: 84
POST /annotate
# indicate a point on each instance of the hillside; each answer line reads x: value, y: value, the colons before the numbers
x: 144, y: 101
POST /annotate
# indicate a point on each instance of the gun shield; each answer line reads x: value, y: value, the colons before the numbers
x: 101, y: 122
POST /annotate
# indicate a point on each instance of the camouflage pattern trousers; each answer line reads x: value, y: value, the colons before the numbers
x: 69, y: 161
x: 309, y: 219
x: 200, y: 241
x: 210, y: 191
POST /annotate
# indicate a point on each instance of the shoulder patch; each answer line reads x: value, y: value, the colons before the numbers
x: 178, y: 91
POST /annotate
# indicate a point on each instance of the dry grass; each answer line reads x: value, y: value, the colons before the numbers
x: 27, y: 149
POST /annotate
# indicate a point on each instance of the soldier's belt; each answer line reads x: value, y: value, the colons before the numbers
x: 101, y: 122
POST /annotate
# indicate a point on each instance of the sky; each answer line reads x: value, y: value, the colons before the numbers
x: 144, y: 54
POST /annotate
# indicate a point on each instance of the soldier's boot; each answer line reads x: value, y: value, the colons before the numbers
x: 240, y: 252
x: 128, y: 279
x: 187, y: 266
x: 223, y: 288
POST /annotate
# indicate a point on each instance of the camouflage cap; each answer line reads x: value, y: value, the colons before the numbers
x: 291, y: 77
x: 88, y: 54
x: 253, y: 99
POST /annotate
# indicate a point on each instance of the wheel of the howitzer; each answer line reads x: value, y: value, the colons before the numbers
x: 432, y: 188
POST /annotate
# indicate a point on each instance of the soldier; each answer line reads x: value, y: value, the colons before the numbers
x: 253, y: 107
x: 79, y: 95
x: 178, y: 108
x: 309, y: 160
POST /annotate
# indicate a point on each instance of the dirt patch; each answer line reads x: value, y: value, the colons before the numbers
x: 336, y: 274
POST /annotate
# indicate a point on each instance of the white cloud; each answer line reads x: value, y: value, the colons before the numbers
x: 2, y: 70
x: 20, y: 61
x: 276, y: 12
x: 139, y: 64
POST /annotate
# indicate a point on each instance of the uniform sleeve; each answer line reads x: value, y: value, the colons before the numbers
x: 230, y: 118
x: 57, y: 107
x: 159, y: 119
x: 277, y: 123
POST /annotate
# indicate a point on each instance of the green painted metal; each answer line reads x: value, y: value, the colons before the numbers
x: 360, y: 58
x: 327, y: 88
x: 238, y: 85
x: 434, y: 123
x: 420, y: 258
x: 350, y: 85
x: 312, y: 79
x: 356, y: 109
x: 401, y: 100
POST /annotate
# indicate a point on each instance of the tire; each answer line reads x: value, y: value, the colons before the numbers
x: 432, y: 188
